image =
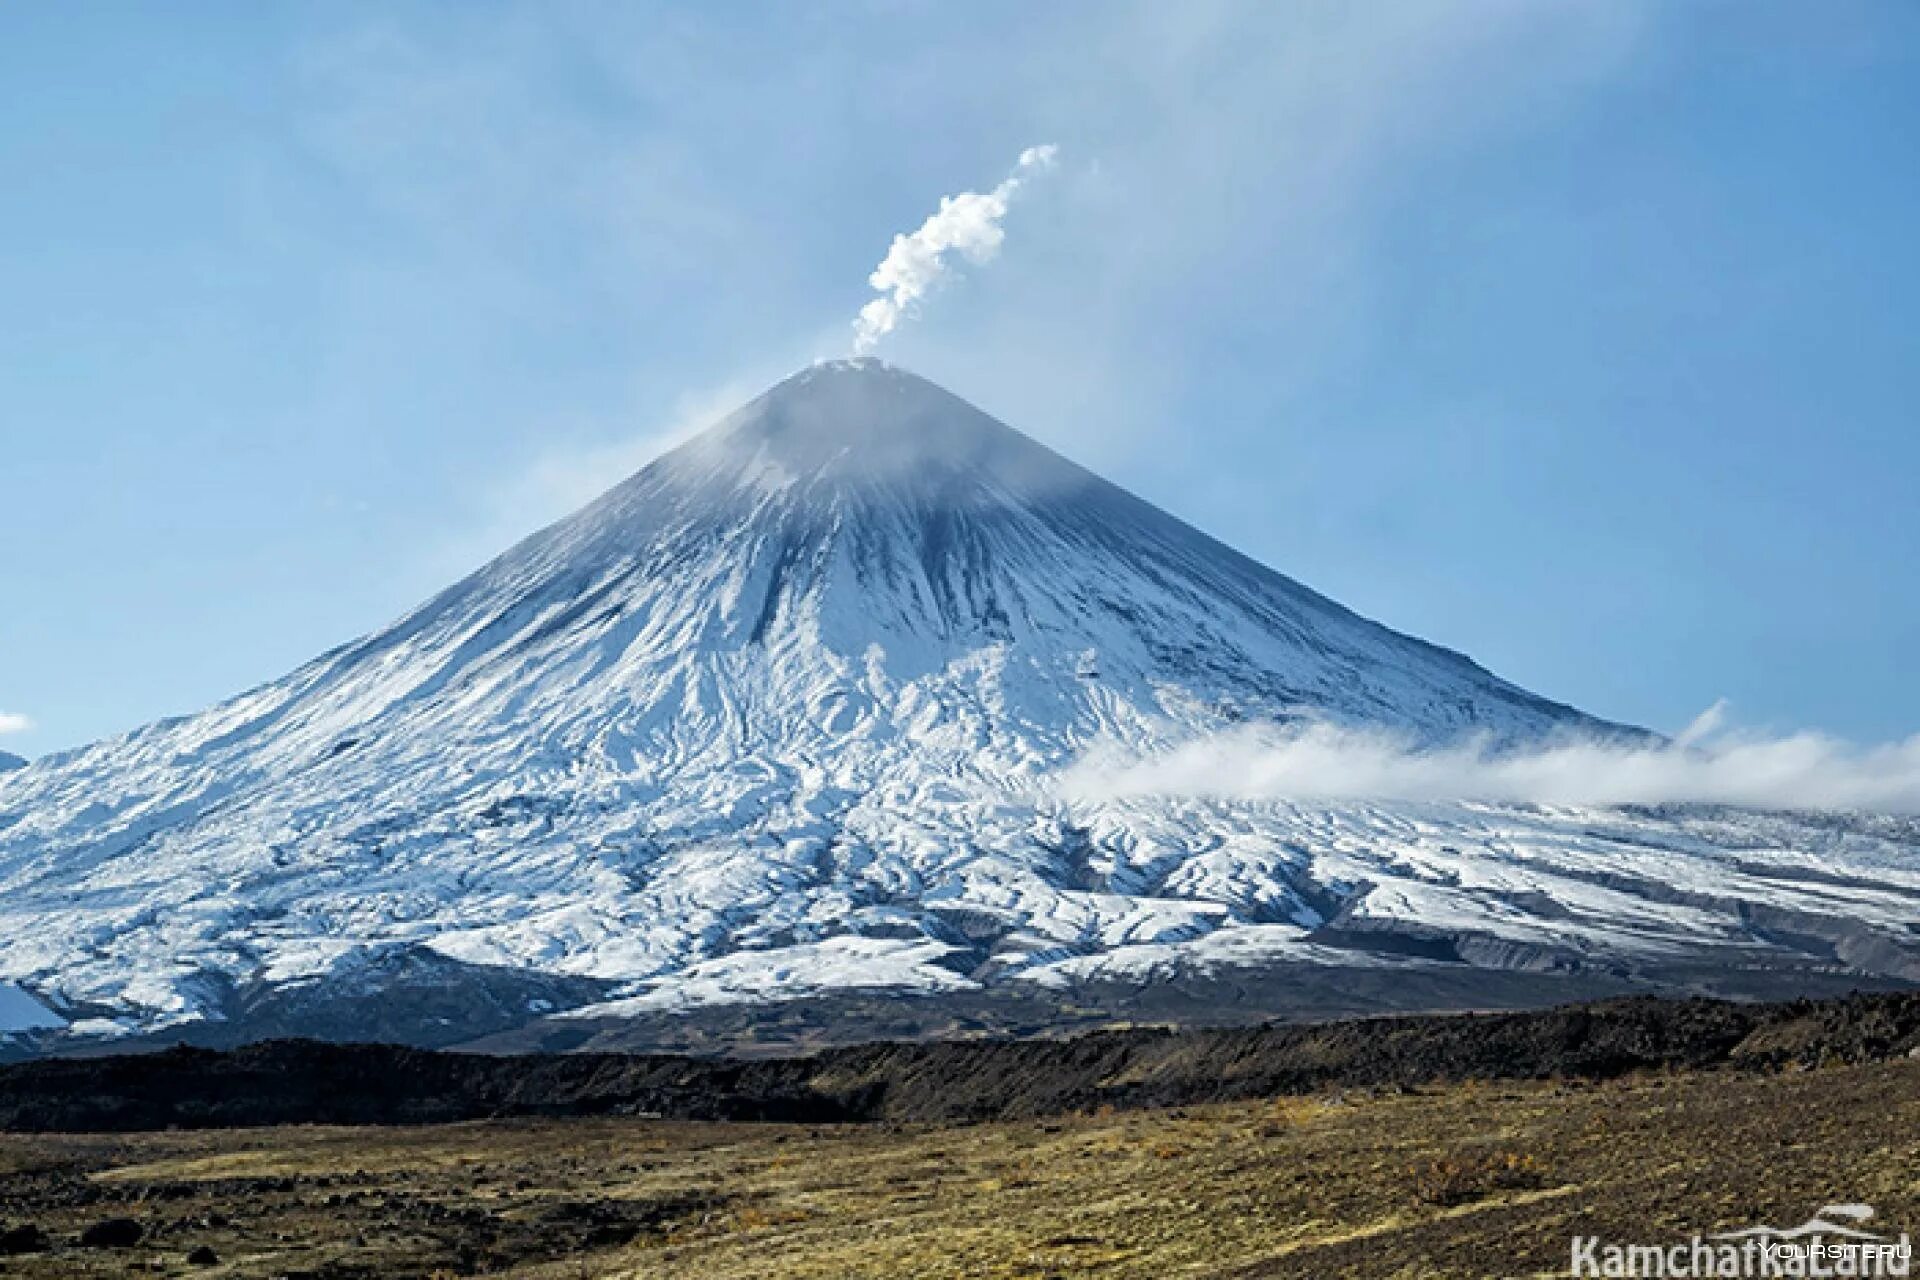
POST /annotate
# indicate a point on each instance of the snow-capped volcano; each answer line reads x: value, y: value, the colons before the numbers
x: 776, y: 717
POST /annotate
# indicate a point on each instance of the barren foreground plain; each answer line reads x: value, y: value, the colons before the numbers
x: 1470, y: 1179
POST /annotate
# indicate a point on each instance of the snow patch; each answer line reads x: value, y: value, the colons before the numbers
x: 788, y: 973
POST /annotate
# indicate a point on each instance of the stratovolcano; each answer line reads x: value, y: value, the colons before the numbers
x: 775, y: 719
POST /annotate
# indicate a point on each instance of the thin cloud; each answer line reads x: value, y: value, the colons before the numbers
x: 14, y: 722
x: 568, y: 474
x: 967, y: 224
x: 1704, y: 765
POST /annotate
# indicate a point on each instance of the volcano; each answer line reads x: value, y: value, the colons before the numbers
x: 771, y: 724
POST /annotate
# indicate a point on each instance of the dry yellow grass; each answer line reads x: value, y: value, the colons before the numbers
x: 1322, y: 1187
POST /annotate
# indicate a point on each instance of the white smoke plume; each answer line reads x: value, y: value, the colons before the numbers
x: 1702, y: 765
x: 967, y: 224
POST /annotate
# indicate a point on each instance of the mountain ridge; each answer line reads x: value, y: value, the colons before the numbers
x: 775, y: 718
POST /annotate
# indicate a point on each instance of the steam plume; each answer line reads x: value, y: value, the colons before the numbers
x: 967, y: 224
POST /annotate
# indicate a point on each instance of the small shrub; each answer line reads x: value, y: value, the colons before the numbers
x: 1453, y: 1180
x: 1295, y: 1111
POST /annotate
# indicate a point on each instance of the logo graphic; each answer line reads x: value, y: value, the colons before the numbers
x: 1833, y: 1242
x: 1817, y: 1225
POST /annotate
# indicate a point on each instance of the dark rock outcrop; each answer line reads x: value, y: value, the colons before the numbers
x: 305, y: 1082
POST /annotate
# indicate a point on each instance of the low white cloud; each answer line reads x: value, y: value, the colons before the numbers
x: 14, y: 722
x: 967, y: 224
x: 1703, y: 765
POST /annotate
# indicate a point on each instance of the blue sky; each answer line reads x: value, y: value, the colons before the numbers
x: 1577, y: 337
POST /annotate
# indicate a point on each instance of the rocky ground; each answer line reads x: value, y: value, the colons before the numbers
x: 303, y: 1082
x: 1470, y: 1179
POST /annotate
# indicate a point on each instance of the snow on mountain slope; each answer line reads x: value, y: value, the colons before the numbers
x: 778, y: 715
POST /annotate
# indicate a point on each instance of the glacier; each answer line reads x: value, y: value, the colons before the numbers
x: 781, y: 716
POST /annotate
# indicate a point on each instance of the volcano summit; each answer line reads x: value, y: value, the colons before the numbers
x: 775, y: 719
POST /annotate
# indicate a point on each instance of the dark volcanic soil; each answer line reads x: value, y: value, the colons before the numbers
x: 303, y: 1082
x: 1459, y: 1182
